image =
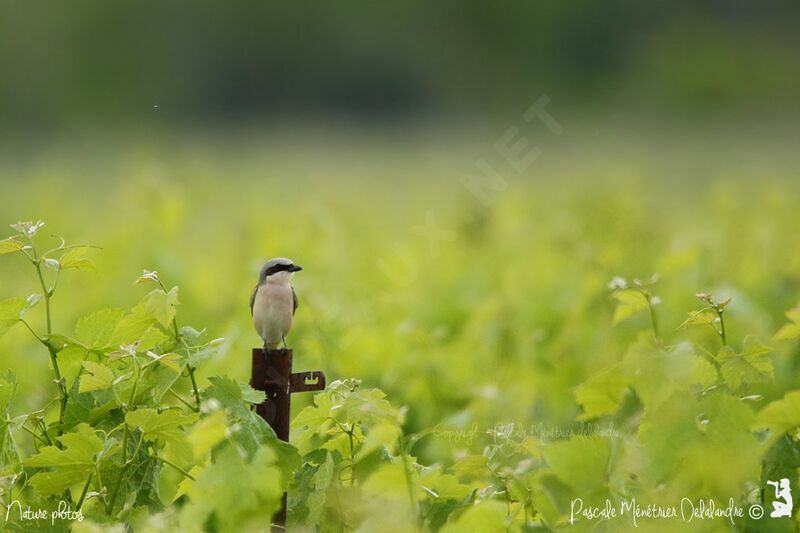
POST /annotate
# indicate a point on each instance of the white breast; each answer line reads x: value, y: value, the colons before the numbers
x: 273, y: 308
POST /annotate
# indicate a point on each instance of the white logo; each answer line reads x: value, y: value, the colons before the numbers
x: 783, y: 496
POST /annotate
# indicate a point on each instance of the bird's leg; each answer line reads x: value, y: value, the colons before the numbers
x: 285, y: 346
x: 266, y: 350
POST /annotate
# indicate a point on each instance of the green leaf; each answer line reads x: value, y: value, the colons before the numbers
x: 162, y: 305
x: 630, y: 302
x: 580, y: 462
x: 442, y: 510
x: 192, y: 335
x: 207, y: 433
x: 781, y: 460
x: 251, y: 395
x: 165, y: 426
x: 749, y: 367
x: 151, y: 338
x: 382, y: 435
x: 132, y: 328
x: 9, y: 455
x: 74, y: 462
x: 95, y: 330
x: 319, y: 484
x: 705, y: 441
x: 11, y: 310
x: 470, y: 465
x: 704, y: 372
x: 50, y: 483
x: 791, y: 331
x: 487, y: 516
x: 169, y: 360
x: 699, y: 318
x: 602, y: 394
x: 70, y: 361
x: 314, y: 416
x: 10, y: 245
x: 443, y: 486
x: 100, y: 377
x: 656, y: 372
x: 198, y: 357
x: 780, y: 416
x: 75, y: 258
x: 237, y: 493
x: 231, y: 394
x: 392, y: 481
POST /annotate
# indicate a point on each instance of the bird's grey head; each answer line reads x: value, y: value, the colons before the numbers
x: 274, y: 266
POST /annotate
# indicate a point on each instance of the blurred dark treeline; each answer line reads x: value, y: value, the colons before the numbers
x: 115, y: 61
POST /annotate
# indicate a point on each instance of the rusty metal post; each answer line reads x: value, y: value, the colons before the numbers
x: 272, y: 373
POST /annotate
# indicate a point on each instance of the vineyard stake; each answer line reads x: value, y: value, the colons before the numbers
x: 272, y: 373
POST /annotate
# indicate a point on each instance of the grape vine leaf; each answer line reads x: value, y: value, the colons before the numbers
x: 699, y: 318
x: 779, y: 416
x: 75, y: 258
x: 630, y: 302
x: 73, y: 463
x: 9, y: 455
x: 132, y: 327
x: 233, y: 494
x: 11, y: 311
x: 704, y: 373
x: 164, y: 426
x: 705, y: 441
x: 95, y: 330
x: 319, y: 484
x: 487, y: 516
x: 10, y: 245
x: 580, y: 462
x: 602, y: 393
x: 233, y: 395
x: 162, y: 305
x: 97, y: 377
x: 470, y: 465
x: 790, y: 331
x: 207, y: 433
x: 748, y: 367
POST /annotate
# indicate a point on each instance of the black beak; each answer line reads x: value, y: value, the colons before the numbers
x: 295, y: 268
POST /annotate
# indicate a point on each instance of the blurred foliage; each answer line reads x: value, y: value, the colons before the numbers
x: 196, y: 61
x: 513, y: 379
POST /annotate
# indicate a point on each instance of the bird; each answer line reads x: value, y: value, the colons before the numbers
x: 274, y: 302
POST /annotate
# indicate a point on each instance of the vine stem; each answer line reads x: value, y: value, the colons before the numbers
x: 722, y: 333
x: 410, y: 487
x: 125, y: 464
x: 48, y: 293
x: 190, y: 368
x: 184, y: 402
x: 652, y: 309
x: 83, y: 492
x: 173, y: 465
x: 194, y: 388
x: 653, y: 320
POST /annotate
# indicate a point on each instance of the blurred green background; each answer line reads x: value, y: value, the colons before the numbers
x: 101, y: 64
x: 200, y: 139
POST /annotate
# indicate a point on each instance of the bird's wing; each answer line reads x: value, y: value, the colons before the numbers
x: 294, y: 300
x: 253, y: 299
